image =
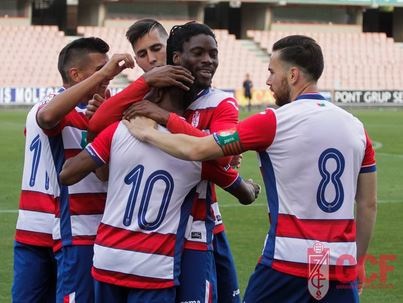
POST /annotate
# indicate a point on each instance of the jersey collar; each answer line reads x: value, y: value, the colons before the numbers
x: 314, y: 96
x: 203, y: 92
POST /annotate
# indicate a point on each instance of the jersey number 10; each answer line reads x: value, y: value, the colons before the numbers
x: 134, y: 178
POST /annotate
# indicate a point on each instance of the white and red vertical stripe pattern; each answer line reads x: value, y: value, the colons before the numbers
x: 36, y: 214
x: 83, y: 204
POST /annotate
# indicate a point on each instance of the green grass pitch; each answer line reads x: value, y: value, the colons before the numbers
x: 246, y: 226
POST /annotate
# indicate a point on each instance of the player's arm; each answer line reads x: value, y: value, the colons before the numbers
x: 77, y: 168
x: 178, y: 145
x: 95, y: 155
x: 365, y: 219
x: 366, y: 207
x: 113, y: 108
x: 173, y: 122
x: 254, y: 133
x: 225, y: 117
x: 365, y: 211
x: 53, y: 112
x: 246, y: 191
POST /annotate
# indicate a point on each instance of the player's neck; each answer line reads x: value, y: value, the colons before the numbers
x: 173, y: 101
x: 309, y: 87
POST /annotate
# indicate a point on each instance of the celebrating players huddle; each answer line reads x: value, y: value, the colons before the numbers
x: 109, y: 213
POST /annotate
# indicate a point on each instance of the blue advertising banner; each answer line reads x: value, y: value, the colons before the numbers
x: 31, y: 95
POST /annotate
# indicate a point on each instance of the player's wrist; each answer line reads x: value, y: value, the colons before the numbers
x: 100, y: 76
x: 163, y: 117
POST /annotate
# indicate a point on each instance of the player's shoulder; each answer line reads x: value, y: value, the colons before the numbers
x: 213, y: 98
x: 115, y: 128
x: 50, y: 96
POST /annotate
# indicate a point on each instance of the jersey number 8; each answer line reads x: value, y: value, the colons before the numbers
x: 330, y: 177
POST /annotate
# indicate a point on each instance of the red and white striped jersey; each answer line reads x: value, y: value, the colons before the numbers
x: 36, y: 214
x: 80, y: 206
x: 311, y: 153
x: 150, y: 195
x: 213, y: 110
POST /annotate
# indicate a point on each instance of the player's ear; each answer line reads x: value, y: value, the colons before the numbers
x: 293, y: 74
x: 74, y: 74
x: 176, y: 58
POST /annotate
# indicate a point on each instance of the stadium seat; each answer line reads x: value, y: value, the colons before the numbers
x: 371, y: 60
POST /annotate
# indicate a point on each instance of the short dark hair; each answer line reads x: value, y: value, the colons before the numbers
x: 142, y: 27
x: 180, y: 34
x: 76, y: 50
x: 302, y: 51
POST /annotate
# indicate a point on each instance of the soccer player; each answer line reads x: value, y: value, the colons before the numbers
x: 34, y: 261
x: 316, y: 159
x: 193, y: 46
x: 140, y: 240
x: 247, y: 85
x: 79, y: 208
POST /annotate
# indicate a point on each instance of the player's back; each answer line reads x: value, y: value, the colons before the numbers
x: 149, y: 198
x: 312, y: 168
x: 316, y: 140
x: 37, y: 204
x: 80, y: 206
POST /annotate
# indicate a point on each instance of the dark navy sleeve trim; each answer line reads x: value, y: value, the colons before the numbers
x: 368, y: 169
x: 94, y: 155
x: 235, y: 184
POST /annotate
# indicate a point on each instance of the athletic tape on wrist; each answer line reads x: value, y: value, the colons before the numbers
x: 228, y: 141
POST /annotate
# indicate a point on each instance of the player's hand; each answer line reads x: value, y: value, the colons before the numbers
x: 169, y: 75
x: 96, y: 102
x: 254, y: 191
x: 147, y: 109
x: 116, y: 64
x: 256, y: 187
x: 140, y: 126
x: 236, y: 161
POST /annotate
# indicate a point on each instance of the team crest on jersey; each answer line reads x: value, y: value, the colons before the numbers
x: 195, y: 235
x: 47, y: 98
x: 218, y: 218
x: 318, y: 281
x: 195, y: 118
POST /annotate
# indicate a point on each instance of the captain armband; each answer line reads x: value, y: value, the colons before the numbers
x: 229, y: 142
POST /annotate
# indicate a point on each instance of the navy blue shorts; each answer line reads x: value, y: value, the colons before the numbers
x: 34, y: 274
x: 74, y: 279
x: 227, y: 281
x: 197, y: 279
x: 267, y: 285
x: 107, y: 293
